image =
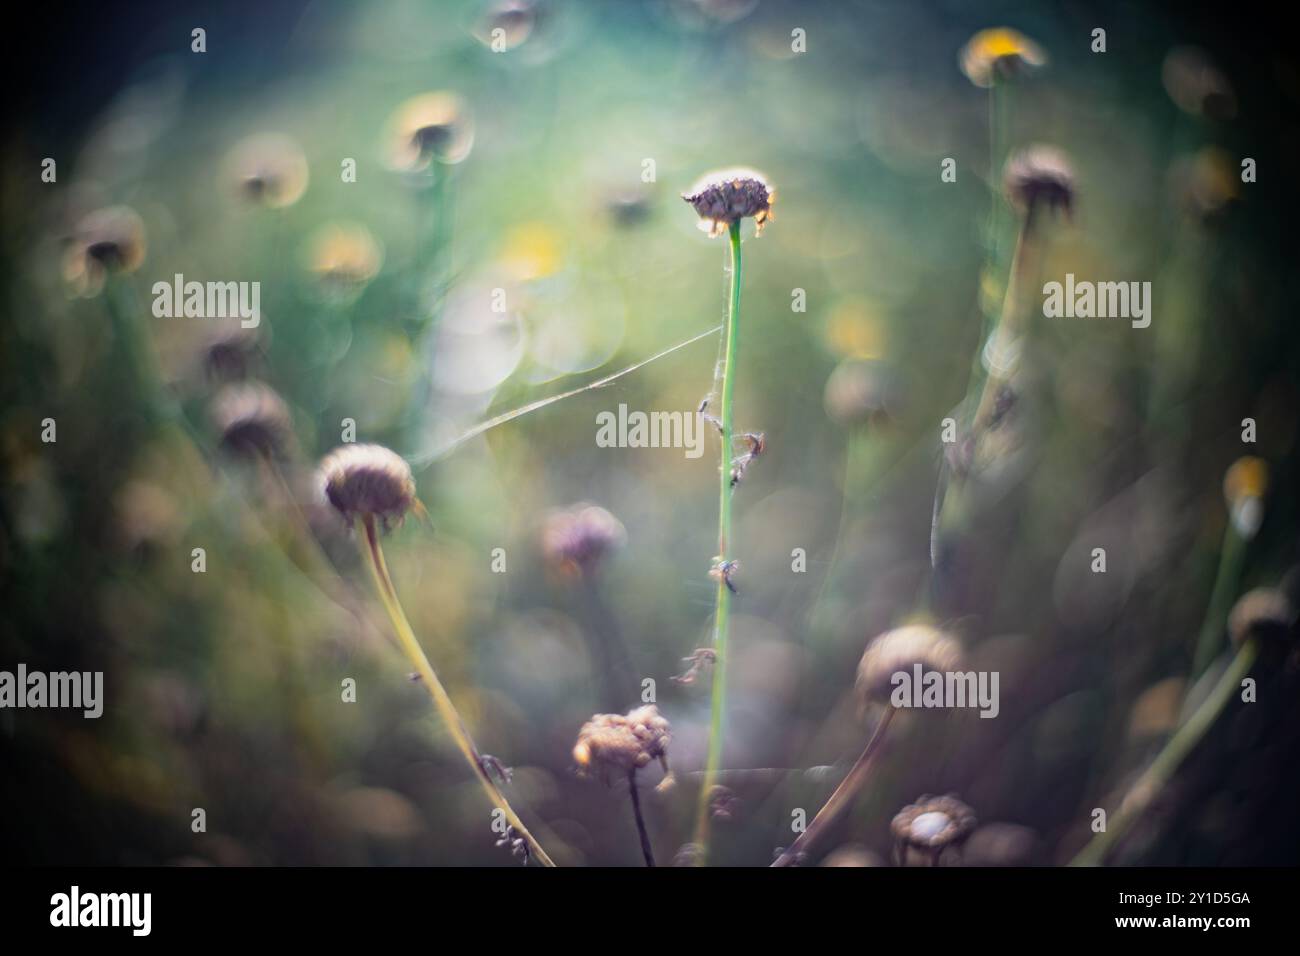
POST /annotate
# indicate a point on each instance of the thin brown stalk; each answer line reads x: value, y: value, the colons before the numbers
x: 841, y: 798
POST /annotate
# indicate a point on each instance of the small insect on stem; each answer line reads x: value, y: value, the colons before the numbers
x: 755, y: 445
x: 712, y: 420
x: 702, y: 656
x: 722, y: 571
x: 491, y: 764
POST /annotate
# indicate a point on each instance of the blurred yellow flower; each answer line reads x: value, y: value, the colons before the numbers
x: 1000, y: 53
x: 531, y: 251
x: 854, y: 331
x: 344, y: 255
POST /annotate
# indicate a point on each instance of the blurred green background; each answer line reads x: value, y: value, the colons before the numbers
x: 223, y: 688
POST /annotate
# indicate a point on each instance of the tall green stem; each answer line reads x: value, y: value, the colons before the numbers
x: 374, y: 558
x: 1170, y: 758
x: 1231, y: 557
x: 718, y: 707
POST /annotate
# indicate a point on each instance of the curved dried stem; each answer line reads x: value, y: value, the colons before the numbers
x: 374, y: 556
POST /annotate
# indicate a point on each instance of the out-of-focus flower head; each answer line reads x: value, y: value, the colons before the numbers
x: 1000, y: 54
x: 105, y: 242
x: 899, y: 650
x: 367, y: 481
x: 730, y: 195
x: 506, y: 24
x: 1196, y: 85
x: 1039, y: 177
x: 1264, y: 614
x: 576, y: 540
x: 230, y: 353
x: 1244, y: 487
x: 268, y: 169
x: 1001, y: 844
x: 1205, y: 183
x: 252, y: 421
x: 924, y: 829
x: 863, y: 392
x: 623, y: 743
x: 431, y: 127
x: 343, y: 257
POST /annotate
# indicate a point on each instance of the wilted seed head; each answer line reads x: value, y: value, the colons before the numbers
x: 1265, y: 614
x: 427, y: 128
x: 1039, y: 176
x: 899, y: 650
x: 252, y: 421
x: 862, y: 392
x: 343, y: 256
x: 730, y: 195
x: 623, y: 742
x: 1000, y: 54
x: 932, y: 824
x: 367, y: 480
x: 268, y: 169
x: 1244, y: 486
x: 106, y: 241
x: 577, y: 539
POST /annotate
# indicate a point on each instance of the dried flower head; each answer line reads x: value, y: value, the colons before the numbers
x: 1265, y: 614
x: 268, y: 169
x: 863, y: 392
x: 1039, y: 176
x: 431, y: 127
x: 1000, y: 54
x: 106, y: 241
x: 900, y: 650
x: 367, y: 480
x: 575, y: 540
x: 622, y: 743
x: 730, y: 195
x: 252, y: 420
x: 1244, y: 486
x: 343, y: 256
x: 930, y: 825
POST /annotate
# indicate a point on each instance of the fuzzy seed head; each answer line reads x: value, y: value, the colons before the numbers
x: 1039, y: 177
x: 933, y: 823
x: 623, y: 742
x: 1244, y: 486
x: 252, y: 420
x: 899, y: 650
x: 730, y: 195
x: 367, y: 480
x: 1000, y: 54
